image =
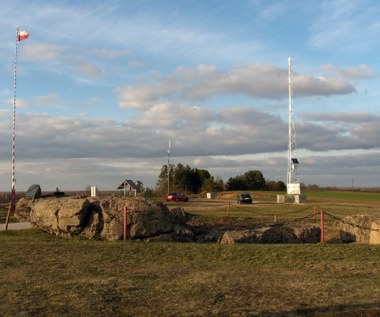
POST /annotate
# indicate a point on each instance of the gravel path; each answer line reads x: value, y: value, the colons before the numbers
x: 17, y: 226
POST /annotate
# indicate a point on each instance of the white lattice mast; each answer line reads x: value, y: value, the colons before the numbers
x: 293, y: 185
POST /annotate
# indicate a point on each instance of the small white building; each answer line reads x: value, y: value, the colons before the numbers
x: 129, y: 187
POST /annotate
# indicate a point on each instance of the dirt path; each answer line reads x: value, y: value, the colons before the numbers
x: 17, y: 226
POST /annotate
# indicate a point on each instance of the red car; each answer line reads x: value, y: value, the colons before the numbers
x: 176, y: 197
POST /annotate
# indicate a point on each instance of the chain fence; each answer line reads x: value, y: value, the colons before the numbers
x: 350, y: 223
x: 329, y: 214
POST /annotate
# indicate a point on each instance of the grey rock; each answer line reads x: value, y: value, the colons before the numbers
x: 103, y: 217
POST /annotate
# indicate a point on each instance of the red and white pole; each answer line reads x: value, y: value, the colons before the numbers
x: 322, y: 226
x: 125, y: 224
x: 12, y: 205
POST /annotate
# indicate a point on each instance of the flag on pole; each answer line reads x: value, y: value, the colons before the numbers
x: 22, y: 35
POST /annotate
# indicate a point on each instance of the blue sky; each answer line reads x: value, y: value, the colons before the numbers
x: 103, y: 85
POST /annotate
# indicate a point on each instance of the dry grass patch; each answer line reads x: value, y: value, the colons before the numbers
x: 49, y: 276
x: 44, y: 275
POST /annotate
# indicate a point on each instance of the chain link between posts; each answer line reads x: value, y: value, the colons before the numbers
x: 331, y: 216
x: 350, y: 224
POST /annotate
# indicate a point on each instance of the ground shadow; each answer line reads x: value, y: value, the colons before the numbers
x: 347, y: 310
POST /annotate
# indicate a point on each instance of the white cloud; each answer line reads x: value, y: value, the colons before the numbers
x: 136, y: 63
x: 20, y: 103
x: 205, y: 81
x: 350, y: 73
x: 88, y: 69
x: 348, y: 26
x: 109, y: 53
x: 339, y: 131
x: 42, y: 52
x: 194, y: 131
x: 211, y: 107
x: 48, y: 100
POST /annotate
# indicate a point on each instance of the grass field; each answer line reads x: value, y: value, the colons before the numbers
x: 345, y: 195
x: 44, y: 275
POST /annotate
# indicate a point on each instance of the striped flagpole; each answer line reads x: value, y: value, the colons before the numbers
x: 12, y: 205
x: 14, y: 116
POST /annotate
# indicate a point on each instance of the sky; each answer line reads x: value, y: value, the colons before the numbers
x: 102, y: 86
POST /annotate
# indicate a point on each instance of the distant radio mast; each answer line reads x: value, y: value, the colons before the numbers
x: 293, y: 184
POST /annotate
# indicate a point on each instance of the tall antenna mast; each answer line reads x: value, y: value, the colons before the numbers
x: 293, y: 185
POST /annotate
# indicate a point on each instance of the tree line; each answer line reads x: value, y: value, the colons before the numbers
x: 193, y: 181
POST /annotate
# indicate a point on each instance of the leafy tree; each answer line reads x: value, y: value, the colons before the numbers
x: 313, y: 187
x: 184, y: 178
x: 213, y: 185
x: 219, y: 184
x: 254, y: 180
x: 148, y: 193
x: 236, y: 183
x: 162, y: 182
x: 277, y: 186
x: 190, y: 180
x: 203, y: 175
x: 251, y: 180
x: 208, y: 185
x: 281, y: 185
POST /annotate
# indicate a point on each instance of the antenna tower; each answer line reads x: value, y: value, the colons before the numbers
x: 293, y: 185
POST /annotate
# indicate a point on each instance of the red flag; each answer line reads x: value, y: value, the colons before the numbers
x: 22, y: 35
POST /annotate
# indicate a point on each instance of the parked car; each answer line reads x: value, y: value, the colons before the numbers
x: 176, y: 197
x: 244, y: 198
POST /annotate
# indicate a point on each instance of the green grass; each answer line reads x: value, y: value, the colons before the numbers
x: 3, y: 215
x: 43, y: 275
x: 266, y: 212
x: 48, y: 276
x: 345, y: 195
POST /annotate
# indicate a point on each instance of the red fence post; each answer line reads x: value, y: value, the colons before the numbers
x: 125, y: 223
x: 11, y: 209
x: 228, y: 209
x: 322, y: 226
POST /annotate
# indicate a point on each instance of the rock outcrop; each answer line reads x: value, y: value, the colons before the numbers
x: 357, y: 228
x: 274, y: 234
x: 101, y: 218
x: 239, y: 236
x: 374, y: 237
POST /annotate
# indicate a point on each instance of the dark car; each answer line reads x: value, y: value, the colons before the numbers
x: 176, y: 197
x: 244, y: 198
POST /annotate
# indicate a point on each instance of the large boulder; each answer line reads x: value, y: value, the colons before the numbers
x: 292, y: 233
x: 356, y: 228
x: 102, y: 217
x: 65, y: 217
x: 274, y: 234
x: 239, y: 236
x: 374, y: 237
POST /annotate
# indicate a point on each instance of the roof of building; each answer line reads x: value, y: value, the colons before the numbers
x: 127, y: 183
